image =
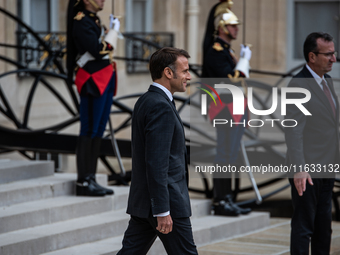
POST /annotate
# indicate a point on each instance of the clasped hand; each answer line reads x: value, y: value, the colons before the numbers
x: 245, y: 52
x: 114, y: 23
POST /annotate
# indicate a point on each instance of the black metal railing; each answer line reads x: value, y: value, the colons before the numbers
x: 32, y: 55
x: 140, y: 46
x: 138, y: 49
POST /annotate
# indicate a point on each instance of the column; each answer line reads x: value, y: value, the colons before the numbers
x: 192, y: 30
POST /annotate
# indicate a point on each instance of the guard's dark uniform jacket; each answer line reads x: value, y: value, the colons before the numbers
x: 219, y: 61
x: 95, y: 75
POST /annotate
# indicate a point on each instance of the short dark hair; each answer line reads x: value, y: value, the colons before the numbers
x: 162, y: 58
x: 311, y: 45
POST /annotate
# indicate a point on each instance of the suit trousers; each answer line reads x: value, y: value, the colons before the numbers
x: 312, y: 218
x: 141, y: 234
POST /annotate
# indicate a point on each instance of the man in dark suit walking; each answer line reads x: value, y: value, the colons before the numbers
x: 159, y: 202
x: 313, y: 143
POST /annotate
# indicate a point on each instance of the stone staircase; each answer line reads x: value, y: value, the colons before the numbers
x: 39, y: 214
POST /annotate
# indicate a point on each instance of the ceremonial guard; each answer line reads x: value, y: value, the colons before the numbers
x: 90, y: 50
x: 209, y: 35
x: 220, y: 62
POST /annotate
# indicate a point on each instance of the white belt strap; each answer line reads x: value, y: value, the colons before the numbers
x: 86, y: 57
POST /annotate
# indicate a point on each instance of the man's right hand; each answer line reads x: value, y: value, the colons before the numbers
x: 300, y: 182
x: 245, y: 52
x: 114, y: 23
x: 164, y: 224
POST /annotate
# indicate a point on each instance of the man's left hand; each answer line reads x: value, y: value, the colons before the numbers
x: 164, y: 224
x: 300, y: 182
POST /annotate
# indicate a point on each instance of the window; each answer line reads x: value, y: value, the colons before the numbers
x: 304, y: 17
x: 138, y: 24
x: 139, y: 15
x: 315, y: 16
x: 43, y: 17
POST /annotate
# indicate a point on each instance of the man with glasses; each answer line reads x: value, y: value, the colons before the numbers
x: 313, y: 143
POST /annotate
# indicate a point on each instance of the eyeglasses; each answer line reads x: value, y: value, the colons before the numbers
x: 328, y: 54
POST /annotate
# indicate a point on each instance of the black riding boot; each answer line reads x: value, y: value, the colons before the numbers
x: 96, y: 142
x: 229, y: 199
x: 222, y: 187
x: 223, y: 198
x: 85, y: 185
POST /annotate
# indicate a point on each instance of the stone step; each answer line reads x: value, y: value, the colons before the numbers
x: 59, y: 184
x: 120, y: 197
x: 108, y: 246
x: 51, y: 210
x: 200, y: 207
x: 54, y: 236
x: 16, y: 170
x: 57, y: 234
x: 208, y: 229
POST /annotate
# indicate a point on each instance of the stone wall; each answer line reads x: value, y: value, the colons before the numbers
x: 265, y: 29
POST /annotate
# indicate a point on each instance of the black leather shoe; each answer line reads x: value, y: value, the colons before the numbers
x: 240, y: 209
x: 89, y: 188
x: 224, y: 208
x: 236, y: 207
x: 107, y: 191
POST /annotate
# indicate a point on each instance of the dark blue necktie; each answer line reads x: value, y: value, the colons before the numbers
x: 173, y: 102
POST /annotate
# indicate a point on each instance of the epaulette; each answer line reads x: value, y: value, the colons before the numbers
x: 79, y: 16
x: 217, y: 46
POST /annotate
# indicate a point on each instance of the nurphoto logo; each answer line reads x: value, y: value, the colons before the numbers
x: 239, y: 109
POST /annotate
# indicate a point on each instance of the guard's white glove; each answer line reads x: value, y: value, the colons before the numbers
x: 245, y: 52
x: 114, y: 23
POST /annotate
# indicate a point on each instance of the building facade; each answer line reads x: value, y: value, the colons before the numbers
x: 275, y: 28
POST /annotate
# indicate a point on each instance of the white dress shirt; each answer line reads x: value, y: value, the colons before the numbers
x: 318, y: 80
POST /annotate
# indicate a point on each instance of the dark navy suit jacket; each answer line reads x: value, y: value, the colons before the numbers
x: 315, y: 140
x: 159, y: 182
